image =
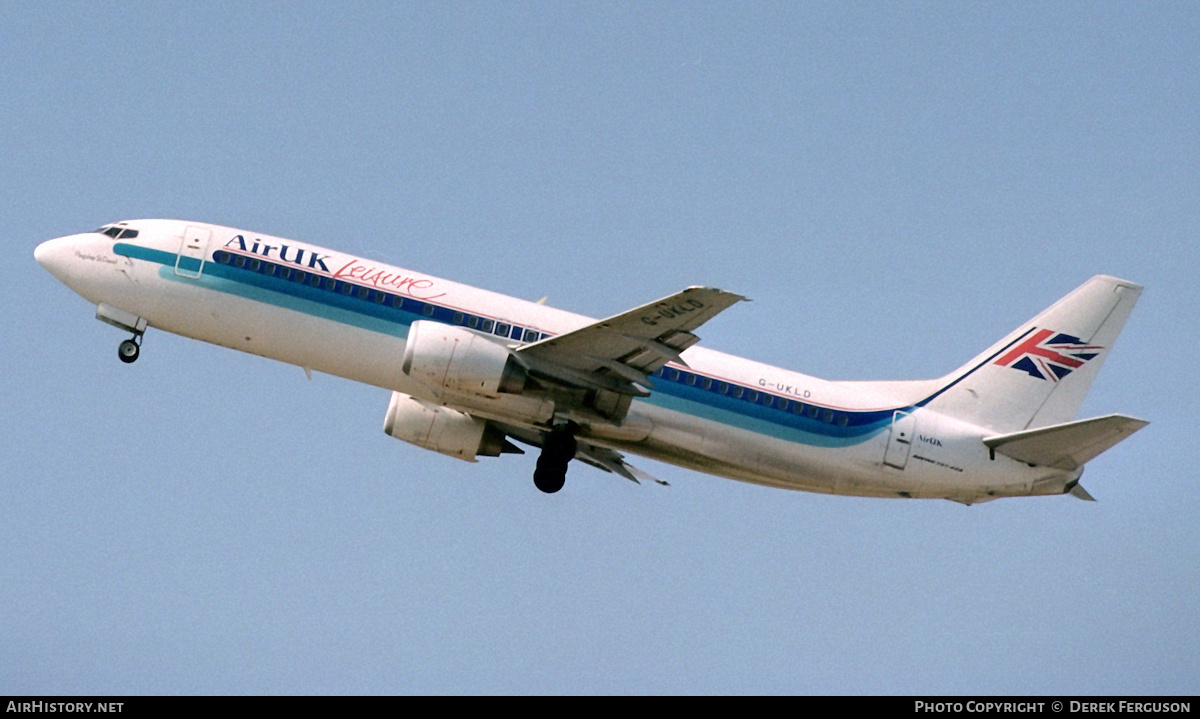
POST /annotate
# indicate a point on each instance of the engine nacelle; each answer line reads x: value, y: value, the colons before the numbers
x: 442, y: 429
x: 455, y: 359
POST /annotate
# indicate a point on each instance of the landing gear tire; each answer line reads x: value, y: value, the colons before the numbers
x: 557, y: 453
x: 549, y: 479
x: 128, y: 351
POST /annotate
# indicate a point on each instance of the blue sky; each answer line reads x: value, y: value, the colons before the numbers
x: 895, y: 185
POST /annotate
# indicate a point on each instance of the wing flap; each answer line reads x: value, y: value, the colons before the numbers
x: 1066, y: 446
x: 613, y: 461
x: 609, y: 460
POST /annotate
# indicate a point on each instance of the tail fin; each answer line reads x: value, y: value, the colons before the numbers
x: 1038, y: 375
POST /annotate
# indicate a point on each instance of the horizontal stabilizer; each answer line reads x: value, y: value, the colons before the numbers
x: 1065, y: 446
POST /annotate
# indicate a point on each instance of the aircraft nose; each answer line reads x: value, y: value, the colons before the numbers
x: 43, y: 252
x: 54, y: 255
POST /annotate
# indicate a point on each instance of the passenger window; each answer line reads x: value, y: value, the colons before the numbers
x: 812, y: 411
x: 738, y: 392
x: 378, y: 296
x: 691, y: 379
x: 706, y: 383
x: 782, y: 404
x: 285, y: 272
x: 314, y: 280
x: 531, y: 336
x: 843, y: 420
x: 239, y: 261
x: 346, y: 288
x: 752, y: 395
x: 221, y: 257
x: 674, y: 375
x: 427, y: 310
x: 486, y: 326
x: 798, y: 408
x: 827, y: 416
x: 331, y: 284
x: 396, y: 301
x: 300, y: 276
x: 473, y: 322
x: 255, y: 264
x: 269, y: 268
x: 502, y: 329
x: 363, y: 293
x: 766, y: 399
x: 722, y: 388
x: 458, y: 318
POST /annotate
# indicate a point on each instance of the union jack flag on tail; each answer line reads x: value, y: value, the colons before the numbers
x: 1049, y: 355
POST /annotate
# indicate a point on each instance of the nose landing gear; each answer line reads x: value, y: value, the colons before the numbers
x: 129, y: 349
x: 557, y: 452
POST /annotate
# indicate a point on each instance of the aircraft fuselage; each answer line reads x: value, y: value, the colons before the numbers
x: 348, y: 316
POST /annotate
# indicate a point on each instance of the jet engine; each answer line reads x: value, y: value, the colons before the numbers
x: 453, y: 359
x: 443, y: 430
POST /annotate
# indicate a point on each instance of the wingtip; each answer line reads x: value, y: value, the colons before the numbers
x: 1079, y: 492
x: 736, y: 297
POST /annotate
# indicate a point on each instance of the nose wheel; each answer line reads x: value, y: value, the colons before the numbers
x: 129, y: 350
x: 557, y: 452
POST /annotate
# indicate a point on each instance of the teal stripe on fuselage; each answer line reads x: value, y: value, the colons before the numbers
x: 281, y: 293
x: 290, y: 300
x: 394, y: 321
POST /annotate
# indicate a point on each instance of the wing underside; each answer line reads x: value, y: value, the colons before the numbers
x: 604, y: 458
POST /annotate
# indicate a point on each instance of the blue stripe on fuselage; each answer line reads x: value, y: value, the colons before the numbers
x: 780, y: 421
x: 711, y: 404
x: 763, y: 420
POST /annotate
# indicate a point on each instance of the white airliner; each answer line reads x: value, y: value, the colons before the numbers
x: 471, y: 370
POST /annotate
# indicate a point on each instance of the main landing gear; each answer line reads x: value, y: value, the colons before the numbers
x: 129, y: 350
x: 557, y: 452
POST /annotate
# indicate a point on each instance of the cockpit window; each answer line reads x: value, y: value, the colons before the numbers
x: 117, y: 233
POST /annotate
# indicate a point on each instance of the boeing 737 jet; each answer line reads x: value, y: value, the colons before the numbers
x: 473, y: 373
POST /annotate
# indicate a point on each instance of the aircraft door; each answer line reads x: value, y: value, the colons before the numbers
x: 900, y: 440
x: 192, y: 251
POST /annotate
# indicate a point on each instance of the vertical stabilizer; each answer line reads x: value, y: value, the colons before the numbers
x: 1039, y: 374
